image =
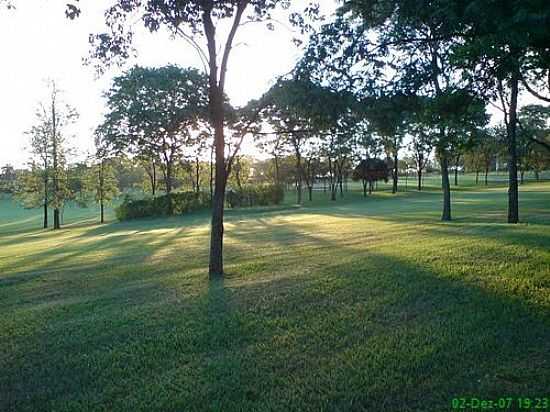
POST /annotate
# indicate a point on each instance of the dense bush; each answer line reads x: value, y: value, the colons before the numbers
x: 182, y: 202
x: 261, y: 195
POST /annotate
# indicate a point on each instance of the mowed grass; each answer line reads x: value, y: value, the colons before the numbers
x: 360, y: 304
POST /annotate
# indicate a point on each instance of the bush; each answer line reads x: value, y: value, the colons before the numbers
x: 182, y: 202
x: 249, y: 196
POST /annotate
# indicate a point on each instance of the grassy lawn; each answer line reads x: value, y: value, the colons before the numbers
x: 352, y: 305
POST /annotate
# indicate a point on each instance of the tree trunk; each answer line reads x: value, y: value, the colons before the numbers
x: 445, y: 185
x: 456, y: 175
x: 154, y: 178
x: 364, y: 187
x: 101, y: 193
x: 395, y: 172
x: 486, y: 175
x: 513, y: 197
x: 168, y: 183
x: 56, y: 221
x: 45, y: 203
x: 277, y: 178
x: 212, y: 173
x: 332, y: 182
x: 310, y: 190
x: 419, y: 180
x: 477, y: 176
x: 197, y: 175
x: 298, y: 179
x: 215, y: 269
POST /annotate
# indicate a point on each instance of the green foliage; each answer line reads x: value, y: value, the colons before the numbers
x: 181, y: 202
x: 8, y: 179
x: 31, y: 188
x: 257, y: 195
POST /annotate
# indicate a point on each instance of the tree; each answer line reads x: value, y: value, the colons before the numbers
x: 8, y: 178
x: 421, y: 145
x: 505, y: 45
x: 190, y: 20
x: 534, y: 124
x: 534, y: 133
x: 153, y: 113
x: 102, y: 183
x: 399, y: 47
x: 388, y: 115
x: 488, y: 145
x: 49, y: 155
x: 298, y: 110
x: 370, y: 171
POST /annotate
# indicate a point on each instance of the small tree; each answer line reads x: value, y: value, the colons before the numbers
x: 101, y: 183
x: 49, y: 152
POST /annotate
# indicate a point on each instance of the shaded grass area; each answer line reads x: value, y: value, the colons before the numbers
x: 350, y: 305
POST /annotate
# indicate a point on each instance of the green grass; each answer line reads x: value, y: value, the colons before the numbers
x: 350, y: 305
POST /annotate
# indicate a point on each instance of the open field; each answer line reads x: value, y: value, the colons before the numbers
x: 361, y: 304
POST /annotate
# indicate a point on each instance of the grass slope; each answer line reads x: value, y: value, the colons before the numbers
x: 355, y: 305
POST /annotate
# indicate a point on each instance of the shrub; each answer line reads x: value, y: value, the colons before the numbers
x: 261, y: 195
x: 182, y: 202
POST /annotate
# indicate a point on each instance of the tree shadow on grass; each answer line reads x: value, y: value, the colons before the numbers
x: 358, y: 330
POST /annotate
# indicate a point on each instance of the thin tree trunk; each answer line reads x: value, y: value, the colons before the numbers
x: 154, y: 178
x: 46, y: 203
x: 364, y: 187
x: 456, y: 175
x: 56, y: 220
x: 277, y: 178
x: 298, y: 178
x: 197, y: 175
x: 212, y: 173
x: 395, y: 172
x: 513, y: 197
x: 101, y: 193
x: 477, y: 176
x: 419, y: 179
x: 486, y: 175
x: 332, y: 180
x: 445, y: 185
x: 168, y: 183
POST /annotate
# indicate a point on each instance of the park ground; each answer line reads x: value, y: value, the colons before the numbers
x: 360, y: 304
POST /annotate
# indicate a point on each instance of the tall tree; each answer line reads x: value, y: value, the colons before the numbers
x: 398, y: 47
x: 505, y: 45
x: 49, y: 148
x: 153, y: 113
x: 192, y: 21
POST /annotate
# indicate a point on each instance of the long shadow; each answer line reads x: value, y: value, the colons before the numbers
x: 367, y: 331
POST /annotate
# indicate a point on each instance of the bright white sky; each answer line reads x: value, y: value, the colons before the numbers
x: 37, y: 42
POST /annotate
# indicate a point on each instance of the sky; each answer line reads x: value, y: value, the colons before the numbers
x: 38, y: 43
